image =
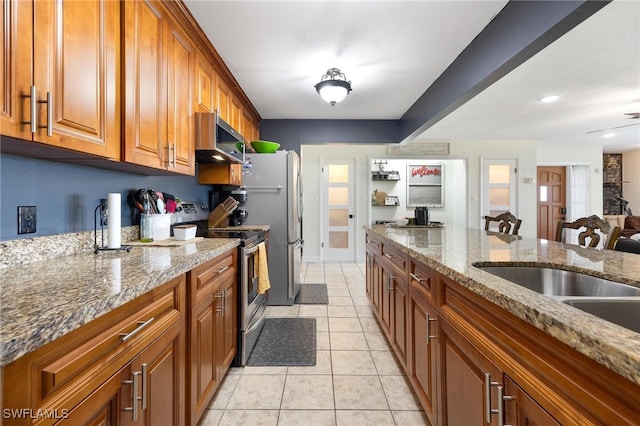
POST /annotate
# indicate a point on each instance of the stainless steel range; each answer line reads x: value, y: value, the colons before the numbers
x: 251, y: 305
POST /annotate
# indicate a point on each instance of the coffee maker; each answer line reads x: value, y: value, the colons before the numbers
x: 421, y: 216
x: 237, y: 217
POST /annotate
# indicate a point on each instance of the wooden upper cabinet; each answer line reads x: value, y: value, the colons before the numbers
x: 159, y: 61
x: 236, y: 114
x: 223, y: 99
x: 17, y: 35
x: 181, y: 120
x: 205, y: 85
x: 74, y: 68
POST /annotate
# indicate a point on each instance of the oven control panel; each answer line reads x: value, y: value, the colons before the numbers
x: 191, y: 211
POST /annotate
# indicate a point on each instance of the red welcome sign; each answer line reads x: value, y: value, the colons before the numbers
x: 425, y: 171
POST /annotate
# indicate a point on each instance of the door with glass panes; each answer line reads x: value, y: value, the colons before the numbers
x: 499, y: 188
x: 338, y: 215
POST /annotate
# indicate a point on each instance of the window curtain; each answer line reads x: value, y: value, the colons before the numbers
x: 579, y: 193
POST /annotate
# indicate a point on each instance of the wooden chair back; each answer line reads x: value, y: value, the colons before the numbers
x: 507, y: 223
x: 591, y: 225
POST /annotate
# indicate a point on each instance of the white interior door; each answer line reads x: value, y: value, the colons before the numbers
x: 499, y: 187
x: 339, y: 206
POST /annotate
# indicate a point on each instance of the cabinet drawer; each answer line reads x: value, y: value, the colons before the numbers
x: 205, y: 278
x: 422, y: 280
x: 65, y: 371
x: 373, y: 244
x: 394, y: 258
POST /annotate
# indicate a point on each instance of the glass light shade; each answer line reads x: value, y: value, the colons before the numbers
x: 333, y: 91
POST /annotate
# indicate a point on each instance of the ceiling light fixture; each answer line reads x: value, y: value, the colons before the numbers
x: 608, y: 135
x: 333, y: 86
x: 549, y: 99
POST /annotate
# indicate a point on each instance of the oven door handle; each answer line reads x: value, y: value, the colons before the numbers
x: 250, y: 250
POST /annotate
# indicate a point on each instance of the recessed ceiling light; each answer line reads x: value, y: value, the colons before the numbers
x: 549, y: 99
x: 608, y: 135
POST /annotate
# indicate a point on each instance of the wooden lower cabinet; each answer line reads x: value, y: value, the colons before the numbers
x: 473, y: 363
x: 422, y: 368
x: 157, y: 376
x: 213, y: 329
x: 87, y: 375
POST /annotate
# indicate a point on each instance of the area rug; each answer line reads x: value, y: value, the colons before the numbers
x: 285, y: 342
x: 312, y: 294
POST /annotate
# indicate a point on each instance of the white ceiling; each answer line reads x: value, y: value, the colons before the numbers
x: 278, y: 50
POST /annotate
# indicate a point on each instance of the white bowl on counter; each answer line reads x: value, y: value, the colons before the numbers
x: 184, y: 232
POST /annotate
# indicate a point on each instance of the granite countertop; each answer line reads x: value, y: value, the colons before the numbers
x: 452, y: 251
x: 44, y: 300
x: 242, y: 228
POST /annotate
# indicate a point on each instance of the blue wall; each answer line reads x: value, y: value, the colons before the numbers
x: 290, y: 134
x: 66, y: 195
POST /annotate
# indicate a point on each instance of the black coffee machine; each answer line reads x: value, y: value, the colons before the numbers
x: 421, y: 216
x: 237, y: 217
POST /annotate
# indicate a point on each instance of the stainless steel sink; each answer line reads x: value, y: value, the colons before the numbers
x: 560, y: 283
x: 624, y: 312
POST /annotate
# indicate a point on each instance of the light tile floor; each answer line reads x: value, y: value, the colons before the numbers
x: 356, y: 379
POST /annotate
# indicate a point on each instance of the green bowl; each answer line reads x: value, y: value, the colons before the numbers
x: 265, y: 147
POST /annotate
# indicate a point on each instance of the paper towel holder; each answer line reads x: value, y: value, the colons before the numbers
x: 100, y: 215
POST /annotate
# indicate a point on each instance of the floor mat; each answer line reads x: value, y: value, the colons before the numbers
x: 312, y: 294
x: 285, y: 342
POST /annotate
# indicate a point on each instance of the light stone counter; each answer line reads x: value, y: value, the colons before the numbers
x: 44, y: 300
x: 452, y: 251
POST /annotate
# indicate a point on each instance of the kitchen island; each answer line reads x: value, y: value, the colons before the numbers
x: 577, y: 368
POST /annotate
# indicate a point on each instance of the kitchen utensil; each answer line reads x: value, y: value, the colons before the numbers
x: 161, y: 208
x: 170, y: 205
x: 265, y: 147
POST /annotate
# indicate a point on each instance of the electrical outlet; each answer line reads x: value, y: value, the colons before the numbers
x: 26, y: 219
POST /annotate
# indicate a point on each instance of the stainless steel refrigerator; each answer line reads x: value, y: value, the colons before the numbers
x: 274, y: 197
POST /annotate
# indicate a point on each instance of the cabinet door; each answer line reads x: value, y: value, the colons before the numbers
x: 522, y: 410
x: 180, y: 54
x: 235, y: 113
x: 145, y: 102
x: 15, y: 59
x: 223, y: 99
x: 204, y: 374
x: 468, y: 381
x: 205, y: 84
x: 422, y: 356
x: 157, y: 374
x: 386, y: 300
x: 101, y: 408
x: 76, y: 59
x: 400, y: 320
x: 227, y: 330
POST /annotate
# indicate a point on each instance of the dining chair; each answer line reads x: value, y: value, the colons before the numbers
x: 594, y: 227
x: 506, y: 222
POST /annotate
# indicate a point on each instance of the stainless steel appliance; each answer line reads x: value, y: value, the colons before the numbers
x: 274, y: 197
x: 251, y: 305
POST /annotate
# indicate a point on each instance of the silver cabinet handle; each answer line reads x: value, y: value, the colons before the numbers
x: 141, y: 325
x: 417, y: 278
x: 175, y: 155
x: 134, y: 395
x: 487, y: 396
x: 33, y: 111
x: 429, y: 335
x: 389, y: 278
x: 502, y: 398
x: 221, y: 270
x: 145, y: 380
x: 220, y: 303
x: 49, y: 125
x: 388, y: 256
